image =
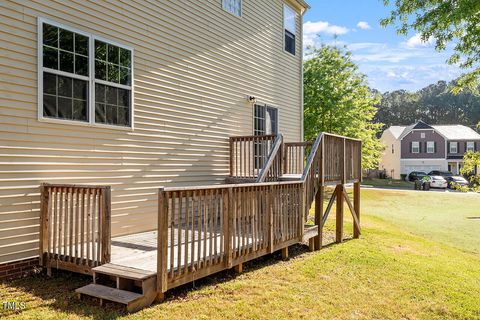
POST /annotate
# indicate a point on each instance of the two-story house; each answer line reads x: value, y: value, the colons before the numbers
x: 424, y: 147
x: 136, y: 95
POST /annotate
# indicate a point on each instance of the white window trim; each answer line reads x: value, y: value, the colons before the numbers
x: 266, y: 106
x: 233, y: 14
x: 91, y: 78
x: 432, y: 147
x: 456, y: 147
x: 472, y: 143
x: 418, y: 147
x: 283, y: 29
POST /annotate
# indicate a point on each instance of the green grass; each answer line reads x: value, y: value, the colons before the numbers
x: 388, y: 183
x: 405, y: 266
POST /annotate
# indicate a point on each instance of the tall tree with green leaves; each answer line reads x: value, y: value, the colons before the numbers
x: 338, y: 100
x: 445, y: 21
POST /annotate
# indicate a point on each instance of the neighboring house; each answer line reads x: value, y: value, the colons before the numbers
x: 423, y: 147
x: 136, y: 96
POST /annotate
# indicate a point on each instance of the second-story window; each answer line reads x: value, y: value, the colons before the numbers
x: 290, y: 28
x: 83, y: 78
x: 453, y: 147
x: 233, y: 6
x: 415, y: 147
x: 430, y: 147
x: 470, y: 146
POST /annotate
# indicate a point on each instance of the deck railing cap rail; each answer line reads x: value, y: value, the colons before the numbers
x: 267, y: 136
x: 227, y: 186
x: 84, y: 186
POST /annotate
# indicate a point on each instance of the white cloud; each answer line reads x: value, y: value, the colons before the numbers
x: 363, y: 25
x: 417, y: 42
x: 312, y: 29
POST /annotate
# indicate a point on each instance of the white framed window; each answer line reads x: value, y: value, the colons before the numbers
x: 233, y: 6
x: 453, y: 147
x: 470, y: 146
x: 422, y: 135
x: 83, y: 78
x: 430, y: 147
x: 290, y: 28
x: 415, y: 147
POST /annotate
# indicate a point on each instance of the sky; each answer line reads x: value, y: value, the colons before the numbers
x: 390, y: 61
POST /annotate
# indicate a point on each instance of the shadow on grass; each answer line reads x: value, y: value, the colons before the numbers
x: 57, y: 294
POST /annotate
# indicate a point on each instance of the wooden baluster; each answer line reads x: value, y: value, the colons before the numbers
x: 172, y: 234
x: 179, y: 233
x: 187, y: 230
x: 94, y: 225
x: 87, y: 222
x: 82, y: 226
x: 72, y: 222
x: 199, y: 227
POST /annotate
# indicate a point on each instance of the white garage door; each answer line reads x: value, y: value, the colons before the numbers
x: 424, y: 168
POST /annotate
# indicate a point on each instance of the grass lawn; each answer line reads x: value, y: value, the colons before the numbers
x: 388, y: 183
x: 415, y: 260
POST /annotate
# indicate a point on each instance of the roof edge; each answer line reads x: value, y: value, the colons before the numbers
x: 300, y: 4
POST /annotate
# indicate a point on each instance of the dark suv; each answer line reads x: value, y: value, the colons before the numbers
x: 444, y: 174
x: 416, y: 175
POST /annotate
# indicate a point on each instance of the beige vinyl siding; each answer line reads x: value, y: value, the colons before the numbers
x: 194, y: 65
x: 390, y: 161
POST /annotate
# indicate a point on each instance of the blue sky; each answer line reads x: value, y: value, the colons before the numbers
x: 390, y: 61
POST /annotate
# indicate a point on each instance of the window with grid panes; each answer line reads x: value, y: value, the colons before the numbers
x: 84, y: 78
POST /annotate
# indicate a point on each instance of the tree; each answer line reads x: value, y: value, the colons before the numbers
x: 444, y: 21
x: 434, y: 104
x: 338, y: 100
x: 471, y: 160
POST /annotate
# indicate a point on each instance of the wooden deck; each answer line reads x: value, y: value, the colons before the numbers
x: 140, y: 250
x: 202, y: 230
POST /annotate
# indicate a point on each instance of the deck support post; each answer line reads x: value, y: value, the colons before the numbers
x: 356, y: 205
x: 160, y: 297
x: 285, y: 253
x: 319, y: 217
x: 239, y: 268
x: 162, y: 241
x: 339, y: 217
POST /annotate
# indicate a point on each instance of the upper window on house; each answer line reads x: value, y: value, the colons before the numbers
x: 233, y: 6
x: 290, y: 28
x: 83, y: 78
x: 393, y: 149
x: 453, y: 147
x: 422, y: 135
x: 470, y: 146
x: 415, y: 147
x: 430, y: 147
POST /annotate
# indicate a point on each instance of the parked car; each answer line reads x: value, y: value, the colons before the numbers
x: 440, y: 173
x: 437, y: 182
x: 454, y: 181
x: 416, y: 175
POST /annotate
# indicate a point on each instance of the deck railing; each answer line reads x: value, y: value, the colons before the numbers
x: 248, y: 155
x: 295, y: 156
x: 208, y: 229
x: 74, y: 226
x: 272, y: 169
x: 203, y: 230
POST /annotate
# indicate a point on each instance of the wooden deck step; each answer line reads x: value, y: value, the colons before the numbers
x: 110, y: 294
x: 124, y: 272
x: 310, y: 232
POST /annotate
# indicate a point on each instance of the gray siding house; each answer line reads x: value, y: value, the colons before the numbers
x: 424, y: 147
